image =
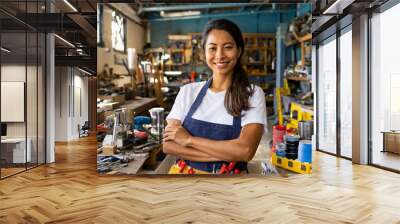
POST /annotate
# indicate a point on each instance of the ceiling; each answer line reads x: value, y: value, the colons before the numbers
x: 149, y: 10
x: 328, y: 13
x: 72, y: 20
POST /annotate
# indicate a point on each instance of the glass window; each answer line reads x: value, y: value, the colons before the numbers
x: 346, y: 93
x: 22, y: 91
x: 15, y: 151
x: 100, y: 24
x: 118, y: 31
x: 327, y: 95
x: 385, y: 88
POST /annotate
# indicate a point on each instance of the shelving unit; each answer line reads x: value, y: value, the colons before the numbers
x: 259, y: 53
x: 258, y: 57
x: 305, y: 46
x: 298, y: 79
x: 185, y: 55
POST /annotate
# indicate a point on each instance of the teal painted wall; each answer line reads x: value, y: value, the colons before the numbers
x: 254, y: 23
x: 304, y: 8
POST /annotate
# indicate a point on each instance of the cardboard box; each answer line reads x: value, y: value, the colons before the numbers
x: 108, y: 150
x: 392, y: 141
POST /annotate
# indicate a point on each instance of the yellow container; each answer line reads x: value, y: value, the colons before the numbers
x: 292, y: 165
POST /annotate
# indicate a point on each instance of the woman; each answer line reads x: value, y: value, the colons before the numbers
x: 216, y: 126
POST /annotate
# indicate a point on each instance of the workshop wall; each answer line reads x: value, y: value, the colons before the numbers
x: 303, y: 9
x: 135, y: 38
x: 257, y: 23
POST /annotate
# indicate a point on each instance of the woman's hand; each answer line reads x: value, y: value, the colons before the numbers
x: 178, y: 134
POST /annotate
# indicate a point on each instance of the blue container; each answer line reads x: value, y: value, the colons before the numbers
x: 305, y: 151
x: 281, y: 153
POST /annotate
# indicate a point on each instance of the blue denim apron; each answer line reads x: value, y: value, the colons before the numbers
x: 211, y: 131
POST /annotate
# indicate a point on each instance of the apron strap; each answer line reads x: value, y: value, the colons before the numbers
x: 237, y: 125
x: 237, y: 121
x: 198, y: 99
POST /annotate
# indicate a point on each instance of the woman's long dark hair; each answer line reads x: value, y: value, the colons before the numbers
x: 237, y: 95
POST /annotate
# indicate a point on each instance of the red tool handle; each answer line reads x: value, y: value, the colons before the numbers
x: 191, y: 171
x: 181, y: 165
x: 230, y: 166
x: 223, y: 169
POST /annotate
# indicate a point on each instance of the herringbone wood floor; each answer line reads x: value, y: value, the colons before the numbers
x: 70, y: 191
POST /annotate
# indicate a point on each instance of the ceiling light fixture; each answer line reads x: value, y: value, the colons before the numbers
x: 70, y: 5
x: 179, y: 14
x: 64, y: 40
x: 337, y: 7
x: 330, y: 8
x: 172, y: 73
x: 84, y: 71
x: 5, y: 50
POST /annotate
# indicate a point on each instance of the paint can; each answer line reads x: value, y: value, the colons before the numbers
x: 305, y: 151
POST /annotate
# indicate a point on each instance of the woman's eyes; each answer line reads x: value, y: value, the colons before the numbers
x: 225, y: 47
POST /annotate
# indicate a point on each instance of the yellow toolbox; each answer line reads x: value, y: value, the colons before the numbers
x: 292, y: 165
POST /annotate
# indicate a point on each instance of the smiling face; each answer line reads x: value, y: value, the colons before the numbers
x: 221, y: 52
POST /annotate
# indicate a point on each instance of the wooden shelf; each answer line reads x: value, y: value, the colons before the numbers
x: 305, y: 38
x: 257, y: 74
x: 176, y: 64
x: 256, y: 48
x: 297, y: 79
x: 176, y: 50
x: 269, y: 98
x: 255, y: 63
x: 299, y: 40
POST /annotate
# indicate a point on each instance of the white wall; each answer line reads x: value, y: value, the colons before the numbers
x: 71, y: 93
x: 61, y: 103
x: 12, y: 73
x: 135, y: 38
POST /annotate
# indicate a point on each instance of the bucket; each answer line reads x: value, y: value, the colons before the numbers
x: 305, y: 151
x: 278, y: 131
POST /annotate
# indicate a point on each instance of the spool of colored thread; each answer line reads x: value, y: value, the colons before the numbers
x: 281, y: 150
x: 292, y: 144
x: 305, y: 151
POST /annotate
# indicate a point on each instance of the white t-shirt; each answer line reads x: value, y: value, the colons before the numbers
x: 212, y: 108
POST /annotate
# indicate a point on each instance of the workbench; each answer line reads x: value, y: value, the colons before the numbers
x: 134, y: 166
x: 140, y: 104
x: 144, y: 161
